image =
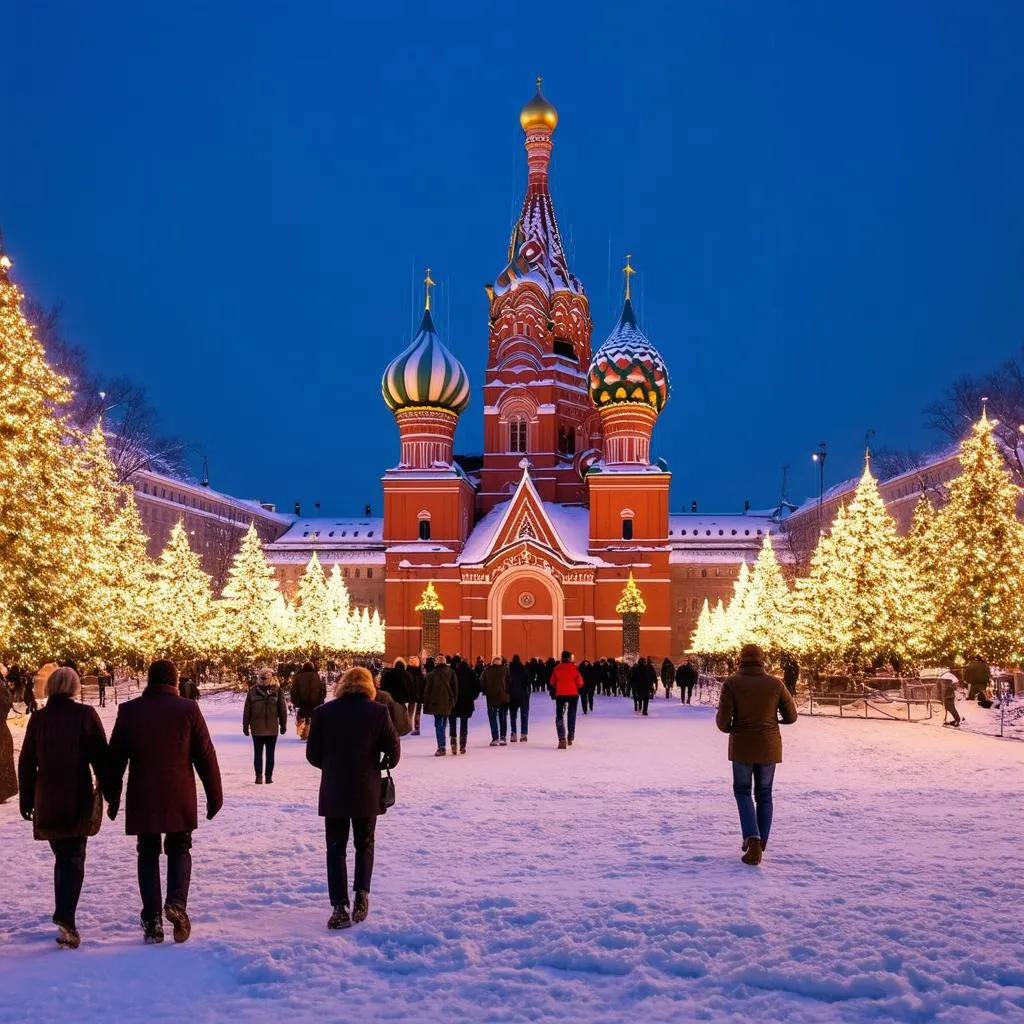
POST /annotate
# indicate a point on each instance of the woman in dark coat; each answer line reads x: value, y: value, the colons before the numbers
x: 58, y: 795
x: 8, y: 774
x: 350, y: 740
x: 518, y: 698
x: 415, y: 704
x: 264, y: 715
x: 396, y: 681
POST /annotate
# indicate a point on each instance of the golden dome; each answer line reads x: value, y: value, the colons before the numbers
x: 538, y: 113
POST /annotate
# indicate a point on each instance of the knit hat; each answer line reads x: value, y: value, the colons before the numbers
x: 751, y: 654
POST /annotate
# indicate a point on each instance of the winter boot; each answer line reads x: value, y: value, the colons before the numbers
x: 440, y: 752
x: 502, y: 743
x: 493, y: 743
x: 455, y: 746
x: 152, y: 931
x: 513, y: 738
x: 339, y: 918
x: 522, y: 739
x: 462, y: 748
x: 562, y: 745
x: 259, y: 780
x: 67, y: 935
x: 753, y: 854
x: 571, y: 738
x: 269, y: 780
x: 179, y: 920
x: 362, y: 907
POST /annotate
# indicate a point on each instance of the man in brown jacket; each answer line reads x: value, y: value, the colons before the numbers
x: 159, y: 737
x: 751, y: 708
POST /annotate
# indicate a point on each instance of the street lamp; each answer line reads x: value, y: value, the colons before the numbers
x: 819, y: 457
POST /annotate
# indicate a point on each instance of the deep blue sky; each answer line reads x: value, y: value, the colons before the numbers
x: 232, y: 201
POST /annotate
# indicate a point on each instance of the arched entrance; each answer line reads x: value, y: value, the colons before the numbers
x: 527, y: 612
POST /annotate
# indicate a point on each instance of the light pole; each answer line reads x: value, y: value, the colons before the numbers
x: 819, y: 457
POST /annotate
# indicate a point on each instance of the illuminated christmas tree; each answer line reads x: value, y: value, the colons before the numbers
x: 340, y: 611
x: 719, y: 637
x: 768, y: 605
x: 313, y: 625
x: 921, y: 561
x: 181, y: 606
x: 701, y: 640
x: 853, y: 597
x: 44, y: 541
x: 978, y: 588
x: 737, y: 613
x: 246, y: 626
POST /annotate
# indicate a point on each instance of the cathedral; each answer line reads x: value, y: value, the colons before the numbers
x: 559, y: 534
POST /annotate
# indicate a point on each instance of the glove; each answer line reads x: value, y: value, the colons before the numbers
x: 283, y: 730
x: 111, y: 811
x: 245, y: 732
x: 211, y: 811
x: 27, y: 815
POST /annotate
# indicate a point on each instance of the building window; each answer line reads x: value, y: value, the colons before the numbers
x: 627, y: 529
x: 357, y: 574
x: 704, y: 574
x: 424, y: 529
x: 369, y: 574
x: 344, y: 572
x: 517, y: 434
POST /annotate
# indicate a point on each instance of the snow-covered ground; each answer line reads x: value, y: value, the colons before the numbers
x: 597, y: 884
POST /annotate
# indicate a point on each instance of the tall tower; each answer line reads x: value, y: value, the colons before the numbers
x: 535, y: 402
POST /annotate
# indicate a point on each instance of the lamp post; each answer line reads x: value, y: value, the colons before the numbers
x: 819, y: 457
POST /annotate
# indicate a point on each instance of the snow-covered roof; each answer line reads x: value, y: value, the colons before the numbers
x: 701, y: 528
x: 326, y: 532
x: 327, y: 556
x: 151, y: 479
x: 570, y: 522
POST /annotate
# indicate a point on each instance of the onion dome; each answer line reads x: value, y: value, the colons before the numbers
x: 538, y: 113
x: 627, y: 367
x: 426, y: 373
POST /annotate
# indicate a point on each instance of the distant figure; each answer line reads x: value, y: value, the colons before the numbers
x: 468, y: 684
x: 640, y: 685
x: 159, y: 738
x: 494, y: 685
x: 308, y: 692
x: 415, y: 706
x: 686, y: 677
x: 978, y: 677
x: 565, y: 684
x: 8, y: 775
x: 188, y: 688
x: 397, y: 682
x: 350, y: 740
x: 668, y: 676
x: 519, y: 687
x: 58, y: 794
x: 264, y: 715
x: 790, y: 673
x: 750, y: 710
x: 440, y: 693
x: 947, y: 685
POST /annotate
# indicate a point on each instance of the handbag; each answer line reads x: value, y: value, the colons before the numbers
x: 387, y: 791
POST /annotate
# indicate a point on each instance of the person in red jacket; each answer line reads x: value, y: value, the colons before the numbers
x: 565, y: 684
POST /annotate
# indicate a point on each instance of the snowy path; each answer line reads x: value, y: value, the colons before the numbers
x: 599, y: 884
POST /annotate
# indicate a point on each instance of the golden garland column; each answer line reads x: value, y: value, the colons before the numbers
x: 631, y: 606
x: 430, y: 609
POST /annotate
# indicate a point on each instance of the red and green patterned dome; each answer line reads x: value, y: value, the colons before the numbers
x: 628, y: 368
x: 426, y: 374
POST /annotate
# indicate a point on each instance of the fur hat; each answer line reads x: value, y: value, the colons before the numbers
x: 356, y: 680
x: 751, y: 654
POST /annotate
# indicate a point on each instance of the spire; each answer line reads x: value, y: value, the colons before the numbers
x: 428, y: 283
x: 628, y: 272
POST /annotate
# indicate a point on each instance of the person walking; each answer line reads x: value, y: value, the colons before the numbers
x: 566, y: 682
x: 494, y: 684
x: 518, y: 699
x: 63, y: 761
x: 397, y: 682
x: 416, y: 682
x: 264, y: 715
x: 640, y: 685
x: 978, y: 677
x: 308, y: 692
x: 468, y: 689
x: 668, y: 676
x: 790, y: 673
x: 351, y: 739
x: 686, y: 677
x: 752, y: 706
x: 159, y: 738
x: 8, y: 773
x: 947, y: 685
x: 189, y: 689
x: 396, y: 712
x: 440, y: 694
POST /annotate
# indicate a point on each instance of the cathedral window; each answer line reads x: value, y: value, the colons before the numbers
x: 627, y: 529
x: 424, y: 529
x: 517, y: 434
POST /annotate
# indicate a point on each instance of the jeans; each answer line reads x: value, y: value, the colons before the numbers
x: 587, y: 698
x: 440, y: 729
x: 259, y: 744
x: 524, y: 715
x: 68, y: 874
x: 363, y: 830
x: 463, y: 723
x: 415, y: 710
x: 561, y: 703
x: 754, y: 824
x: 687, y: 697
x: 950, y: 705
x: 177, y: 846
x: 498, y: 717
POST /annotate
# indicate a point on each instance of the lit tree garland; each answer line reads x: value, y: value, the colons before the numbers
x: 632, y: 601
x: 182, y: 602
x: 768, y: 607
x: 246, y: 613
x: 313, y: 626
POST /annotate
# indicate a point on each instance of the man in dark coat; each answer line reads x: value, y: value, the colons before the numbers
x: 350, y: 740
x: 640, y: 685
x: 440, y: 694
x: 494, y: 686
x: 465, y: 704
x: 518, y: 699
x: 751, y: 708
x: 159, y: 738
x: 309, y: 691
x: 686, y: 677
x: 397, y: 682
x: 790, y: 673
x: 668, y: 676
x: 188, y: 688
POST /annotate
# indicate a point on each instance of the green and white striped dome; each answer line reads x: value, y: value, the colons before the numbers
x: 426, y: 374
